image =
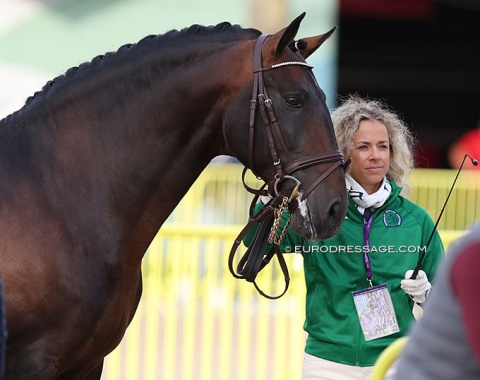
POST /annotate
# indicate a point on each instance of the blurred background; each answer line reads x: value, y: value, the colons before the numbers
x: 195, y: 321
x: 420, y: 56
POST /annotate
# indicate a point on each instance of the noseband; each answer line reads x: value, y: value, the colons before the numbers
x: 283, y: 172
x: 268, y: 220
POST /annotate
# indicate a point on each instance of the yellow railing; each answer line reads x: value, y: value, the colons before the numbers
x: 430, y: 189
x: 218, y: 197
x: 195, y: 321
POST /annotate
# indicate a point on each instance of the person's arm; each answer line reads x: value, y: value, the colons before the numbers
x: 465, y: 280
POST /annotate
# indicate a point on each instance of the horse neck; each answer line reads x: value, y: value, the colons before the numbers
x: 135, y: 150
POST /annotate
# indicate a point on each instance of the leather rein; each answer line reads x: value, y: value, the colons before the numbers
x: 268, y: 237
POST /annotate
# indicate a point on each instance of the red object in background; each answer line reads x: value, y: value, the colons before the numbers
x: 468, y: 143
x: 388, y: 9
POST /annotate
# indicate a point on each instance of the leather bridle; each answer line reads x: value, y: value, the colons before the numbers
x: 283, y: 171
x: 262, y: 247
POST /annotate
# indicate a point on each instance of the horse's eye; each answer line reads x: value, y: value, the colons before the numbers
x: 293, y: 101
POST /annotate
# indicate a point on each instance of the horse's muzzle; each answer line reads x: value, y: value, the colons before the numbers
x: 316, y: 225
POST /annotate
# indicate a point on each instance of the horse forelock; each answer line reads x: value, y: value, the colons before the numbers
x: 222, y: 32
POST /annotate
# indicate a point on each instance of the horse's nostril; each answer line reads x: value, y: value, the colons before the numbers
x: 334, y: 210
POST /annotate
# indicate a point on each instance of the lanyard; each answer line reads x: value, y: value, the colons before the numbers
x: 367, y: 226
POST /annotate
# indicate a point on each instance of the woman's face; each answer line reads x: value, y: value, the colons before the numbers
x: 371, y: 155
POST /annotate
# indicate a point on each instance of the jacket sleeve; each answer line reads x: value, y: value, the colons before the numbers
x: 465, y: 283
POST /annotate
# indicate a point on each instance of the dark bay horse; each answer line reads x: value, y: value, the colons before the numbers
x: 94, y: 163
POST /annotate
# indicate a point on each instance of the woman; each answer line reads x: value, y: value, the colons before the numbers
x: 359, y: 292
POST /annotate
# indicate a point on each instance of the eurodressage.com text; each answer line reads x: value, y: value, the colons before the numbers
x: 355, y: 249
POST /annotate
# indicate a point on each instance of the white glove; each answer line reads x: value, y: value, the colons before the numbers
x: 418, y: 288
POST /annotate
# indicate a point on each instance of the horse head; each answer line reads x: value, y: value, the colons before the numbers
x: 291, y: 143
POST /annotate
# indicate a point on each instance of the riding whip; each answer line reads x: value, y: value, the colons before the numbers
x: 420, y: 259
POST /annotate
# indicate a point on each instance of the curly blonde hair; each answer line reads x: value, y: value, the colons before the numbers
x: 346, y: 120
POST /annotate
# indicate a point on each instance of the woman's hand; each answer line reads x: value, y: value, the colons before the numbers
x: 417, y: 288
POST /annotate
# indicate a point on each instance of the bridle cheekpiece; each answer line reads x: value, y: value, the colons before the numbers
x: 268, y: 221
x: 260, y: 97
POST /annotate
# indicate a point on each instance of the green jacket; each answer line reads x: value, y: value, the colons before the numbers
x: 334, y: 268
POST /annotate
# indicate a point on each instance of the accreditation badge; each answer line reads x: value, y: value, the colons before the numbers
x: 375, y: 312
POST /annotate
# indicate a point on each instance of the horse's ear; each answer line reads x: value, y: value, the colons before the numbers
x: 282, y: 39
x: 313, y: 43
